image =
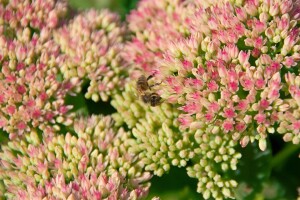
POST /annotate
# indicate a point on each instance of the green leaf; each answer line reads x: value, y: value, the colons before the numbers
x: 253, y: 171
x: 286, y: 165
x: 176, y: 185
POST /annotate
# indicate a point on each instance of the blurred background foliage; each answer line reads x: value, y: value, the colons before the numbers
x: 272, y: 175
x: 121, y: 6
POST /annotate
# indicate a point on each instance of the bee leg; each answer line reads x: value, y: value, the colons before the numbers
x: 150, y: 86
x: 149, y: 77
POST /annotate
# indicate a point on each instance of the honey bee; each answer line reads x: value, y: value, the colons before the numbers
x: 142, y: 86
x: 152, y: 98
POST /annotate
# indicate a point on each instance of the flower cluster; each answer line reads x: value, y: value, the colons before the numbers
x: 230, y: 67
x: 91, y: 43
x: 93, y: 162
x: 216, y: 155
x: 153, y: 24
x: 238, y: 71
x: 86, y: 186
x: 16, y: 15
x: 160, y: 144
x: 157, y: 140
x: 227, y: 72
x: 31, y: 94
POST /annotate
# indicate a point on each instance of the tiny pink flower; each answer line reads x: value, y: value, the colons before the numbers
x: 228, y: 125
x: 264, y: 104
x: 260, y: 118
x: 209, y: 116
x: 212, y: 85
x: 233, y: 86
x: 229, y: 113
x: 214, y: 107
x: 11, y: 109
x: 185, y: 121
x: 240, y: 126
x: 243, y: 57
x: 296, y: 125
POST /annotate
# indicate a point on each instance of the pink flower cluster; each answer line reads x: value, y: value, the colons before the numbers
x: 93, y: 163
x: 31, y: 96
x: 86, y: 186
x: 238, y: 72
x: 37, y: 14
x: 91, y: 43
x: 155, y: 23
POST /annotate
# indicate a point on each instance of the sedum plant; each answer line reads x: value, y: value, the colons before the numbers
x: 91, y: 163
x: 227, y: 77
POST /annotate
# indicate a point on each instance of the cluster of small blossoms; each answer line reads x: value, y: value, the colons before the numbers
x: 215, y: 155
x: 159, y: 139
x: 15, y: 15
x: 160, y: 144
x: 93, y: 163
x: 155, y: 23
x: 156, y: 138
x: 86, y: 186
x: 31, y: 96
x: 238, y: 71
x: 90, y: 45
x: 290, y: 119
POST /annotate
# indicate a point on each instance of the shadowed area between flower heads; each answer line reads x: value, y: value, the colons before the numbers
x: 122, y: 7
x: 176, y: 186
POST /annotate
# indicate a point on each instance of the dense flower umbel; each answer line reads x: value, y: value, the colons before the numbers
x: 160, y: 144
x: 238, y: 72
x: 215, y: 155
x: 37, y: 14
x: 153, y: 24
x: 94, y: 161
x: 31, y: 96
x: 155, y: 129
x: 90, y: 45
x: 90, y: 186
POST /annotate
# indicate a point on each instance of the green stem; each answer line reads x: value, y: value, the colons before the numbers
x: 280, y: 158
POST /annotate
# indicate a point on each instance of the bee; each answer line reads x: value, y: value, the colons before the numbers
x: 152, y: 98
x: 143, y: 86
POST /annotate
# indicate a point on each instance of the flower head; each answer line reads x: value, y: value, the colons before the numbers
x: 155, y: 132
x: 90, y: 44
x: 93, y: 163
x: 161, y: 143
x: 155, y: 23
x: 19, y: 14
x: 31, y: 94
x: 236, y: 80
